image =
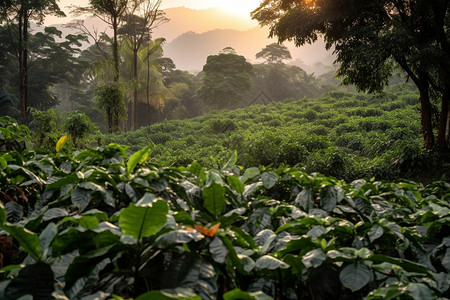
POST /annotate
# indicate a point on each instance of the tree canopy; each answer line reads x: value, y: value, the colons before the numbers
x: 371, y: 39
x: 274, y: 53
x: 226, y: 77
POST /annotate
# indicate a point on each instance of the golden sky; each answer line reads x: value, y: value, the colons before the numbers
x: 239, y: 7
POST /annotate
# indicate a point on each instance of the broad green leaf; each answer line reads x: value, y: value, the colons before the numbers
x: 375, y: 232
x: 314, y: 258
x: 3, y: 163
x: 167, y: 294
x: 28, y: 240
x: 305, y: 200
x: 270, y: 263
x: 269, y: 179
x: 180, y: 236
x: 88, y: 222
x: 247, y: 263
x: 236, y: 184
x: 138, y: 158
x: 420, y: 291
x: 81, y: 197
x: 73, y: 289
x: 330, y: 196
x: 46, y: 237
x: 218, y: 250
x: 249, y: 174
x: 55, y: 213
x: 143, y: 221
x: 238, y: 294
x: 214, y: 198
x: 36, y: 279
x: 61, y: 142
x: 355, y: 276
x: 14, y: 211
x: 231, y: 162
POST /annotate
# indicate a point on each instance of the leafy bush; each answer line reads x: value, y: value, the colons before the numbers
x: 103, y: 224
x: 78, y: 125
x: 221, y: 126
x: 44, y: 129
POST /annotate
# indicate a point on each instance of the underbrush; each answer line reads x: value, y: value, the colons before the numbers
x: 101, y: 224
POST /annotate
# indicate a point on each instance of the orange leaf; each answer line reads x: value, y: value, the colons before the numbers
x: 208, y: 232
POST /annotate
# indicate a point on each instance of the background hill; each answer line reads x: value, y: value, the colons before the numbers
x: 193, y: 34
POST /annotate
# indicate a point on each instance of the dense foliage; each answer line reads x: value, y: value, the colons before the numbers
x: 99, y: 224
x: 342, y: 134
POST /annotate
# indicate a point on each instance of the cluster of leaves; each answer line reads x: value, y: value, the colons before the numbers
x: 343, y: 134
x: 97, y: 224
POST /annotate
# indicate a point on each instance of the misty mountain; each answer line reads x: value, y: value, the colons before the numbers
x: 190, y: 50
x: 184, y: 19
x: 194, y: 34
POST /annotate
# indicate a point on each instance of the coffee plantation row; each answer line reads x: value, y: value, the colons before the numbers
x: 103, y: 224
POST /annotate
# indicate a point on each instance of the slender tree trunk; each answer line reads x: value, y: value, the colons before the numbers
x: 115, y: 25
x: 22, y: 70
x: 134, y: 112
x: 25, y: 61
x: 425, y: 111
x: 442, y: 139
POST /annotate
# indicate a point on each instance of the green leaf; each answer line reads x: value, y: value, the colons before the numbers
x: 355, y: 276
x: 330, y: 196
x: 138, y: 158
x: 446, y: 259
x: 3, y: 163
x: 177, y: 237
x: 269, y: 179
x: 236, y: 184
x: 214, y: 198
x: 143, y: 221
x: 375, y: 232
x: 28, y: 240
x: 270, y: 263
x: 46, y: 237
x: 231, y: 162
x: 238, y: 294
x: 305, y: 200
x: 218, y: 250
x: 419, y: 291
x: 80, y: 197
x: 249, y: 174
x: 247, y: 263
x: 73, y: 289
x: 167, y: 294
x: 314, y: 258
x: 3, y: 216
x: 36, y: 280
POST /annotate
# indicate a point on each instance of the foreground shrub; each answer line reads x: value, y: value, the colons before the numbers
x: 103, y: 224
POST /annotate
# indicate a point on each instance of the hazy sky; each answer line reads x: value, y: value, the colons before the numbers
x: 241, y: 7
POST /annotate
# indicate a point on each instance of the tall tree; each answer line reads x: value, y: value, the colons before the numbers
x: 112, y: 13
x: 17, y: 14
x: 274, y: 53
x: 226, y: 77
x: 141, y: 17
x: 371, y: 38
x: 148, y: 91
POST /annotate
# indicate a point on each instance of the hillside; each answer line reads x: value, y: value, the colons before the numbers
x: 342, y: 134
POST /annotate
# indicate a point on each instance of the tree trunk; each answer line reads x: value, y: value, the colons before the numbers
x: 22, y: 70
x: 134, y: 112
x: 425, y: 111
x: 443, y: 139
x: 115, y: 25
